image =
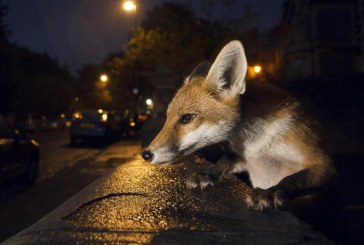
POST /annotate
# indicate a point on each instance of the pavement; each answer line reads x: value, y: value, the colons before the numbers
x: 64, y: 171
x: 143, y: 203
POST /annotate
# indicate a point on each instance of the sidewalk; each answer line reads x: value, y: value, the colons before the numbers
x: 143, y: 203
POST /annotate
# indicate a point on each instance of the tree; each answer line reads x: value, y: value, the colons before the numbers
x: 36, y: 82
x: 175, y: 35
x: 4, y: 32
x: 4, y: 28
x: 86, y: 86
x: 30, y: 81
x: 33, y: 82
x: 182, y: 36
x: 170, y: 37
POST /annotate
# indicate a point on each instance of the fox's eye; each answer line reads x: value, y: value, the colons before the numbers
x: 187, y: 118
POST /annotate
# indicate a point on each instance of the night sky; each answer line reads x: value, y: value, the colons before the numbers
x: 86, y: 31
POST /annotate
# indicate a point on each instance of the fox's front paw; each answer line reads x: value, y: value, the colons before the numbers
x: 259, y: 199
x: 199, y: 181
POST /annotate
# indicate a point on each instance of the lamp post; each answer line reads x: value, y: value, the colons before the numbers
x: 257, y: 69
x: 135, y: 92
x: 104, y: 78
x: 149, y: 102
x: 129, y: 6
x: 259, y: 74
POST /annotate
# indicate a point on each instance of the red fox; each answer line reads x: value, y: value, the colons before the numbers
x: 265, y: 129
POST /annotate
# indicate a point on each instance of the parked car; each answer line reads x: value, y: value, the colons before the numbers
x: 19, y: 155
x: 98, y: 124
x: 33, y: 122
x: 57, y: 121
x: 133, y: 123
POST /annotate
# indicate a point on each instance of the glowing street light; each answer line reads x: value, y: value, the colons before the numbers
x: 104, y: 78
x: 129, y: 6
x: 149, y: 102
x: 257, y: 69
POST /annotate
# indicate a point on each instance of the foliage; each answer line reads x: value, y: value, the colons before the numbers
x: 170, y: 37
x: 93, y: 93
x: 182, y: 37
x: 33, y: 82
x: 4, y: 29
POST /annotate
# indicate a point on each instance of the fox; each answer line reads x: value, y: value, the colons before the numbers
x: 264, y: 130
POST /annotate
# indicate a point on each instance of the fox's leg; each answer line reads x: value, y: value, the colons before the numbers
x: 223, y: 169
x: 260, y: 199
x: 311, y: 180
x: 200, y: 180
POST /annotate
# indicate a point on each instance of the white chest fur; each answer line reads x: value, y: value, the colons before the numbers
x: 268, y: 158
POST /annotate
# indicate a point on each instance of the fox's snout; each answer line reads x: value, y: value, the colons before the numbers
x: 161, y: 154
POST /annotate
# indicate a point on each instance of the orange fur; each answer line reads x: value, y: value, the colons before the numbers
x: 268, y: 134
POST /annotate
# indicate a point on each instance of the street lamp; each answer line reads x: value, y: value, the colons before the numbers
x: 135, y: 92
x: 129, y: 6
x: 257, y: 69
x: 149, y: 102
x: 104, y: 78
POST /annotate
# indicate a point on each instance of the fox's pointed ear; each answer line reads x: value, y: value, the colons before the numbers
x: 200, y: 70
x: 227, y: 74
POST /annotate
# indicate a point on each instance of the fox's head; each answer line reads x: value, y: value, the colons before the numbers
x: 205, y: 109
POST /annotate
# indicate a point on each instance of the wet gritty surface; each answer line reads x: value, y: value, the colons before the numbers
x: 64, y: 171
x: 143, y: 203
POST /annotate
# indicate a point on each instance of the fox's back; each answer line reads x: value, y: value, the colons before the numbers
x: 278, y: 138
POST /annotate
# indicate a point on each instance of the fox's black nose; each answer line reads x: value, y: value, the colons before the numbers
x: 147, y: 155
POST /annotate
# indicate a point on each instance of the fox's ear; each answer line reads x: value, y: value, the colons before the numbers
x: 200, y: 70
x: 227, y: 74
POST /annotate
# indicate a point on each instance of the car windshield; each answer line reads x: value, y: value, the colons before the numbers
x: 92, y: 115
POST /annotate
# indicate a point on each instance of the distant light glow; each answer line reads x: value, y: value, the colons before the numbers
x: 100, y: 111
x: 104, y: 78
x: 129, y: 6
x: 132, y: 124
x: 257, y: 69
x: 104, y: 117
x: 77, y: 115
x: 149, y: 102
x: 142, y: 117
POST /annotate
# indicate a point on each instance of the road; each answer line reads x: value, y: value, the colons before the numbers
x: 63, y: 171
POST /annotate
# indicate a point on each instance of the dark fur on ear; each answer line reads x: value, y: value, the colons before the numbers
x: 200, y: 70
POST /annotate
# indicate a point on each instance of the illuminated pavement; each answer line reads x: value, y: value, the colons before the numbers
x: 143, y: 203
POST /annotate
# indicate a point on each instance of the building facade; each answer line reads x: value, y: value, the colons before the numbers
x: 322, y: 37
